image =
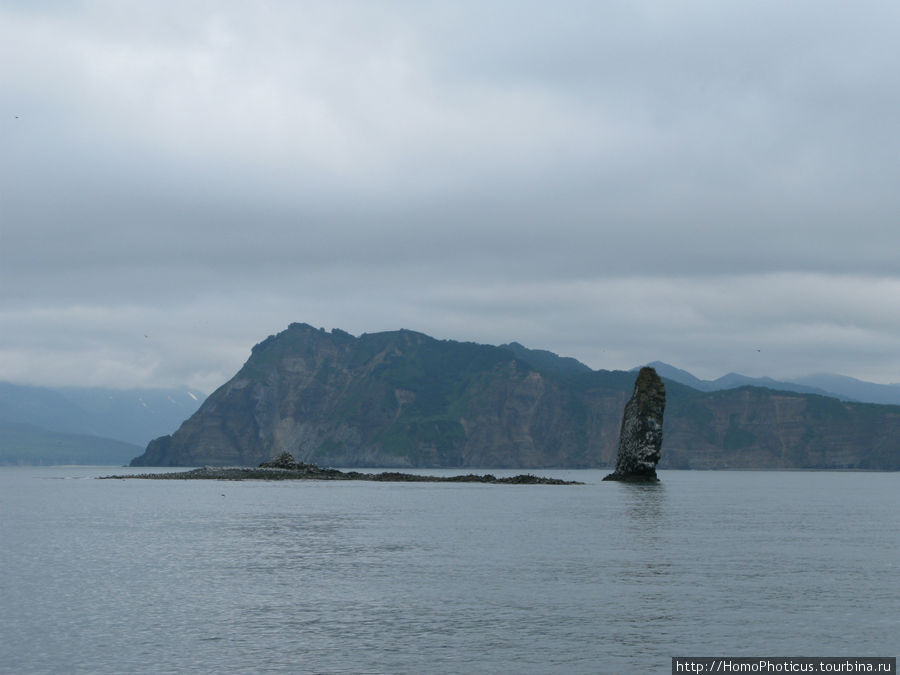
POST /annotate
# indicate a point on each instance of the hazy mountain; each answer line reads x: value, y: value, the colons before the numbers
x: 41, y: 407
x: 133, y: 416
x: 402, y: 398
x: 669, y: 372
x: 849, y: 388
x: 25, y: 444
x: 837, y: 386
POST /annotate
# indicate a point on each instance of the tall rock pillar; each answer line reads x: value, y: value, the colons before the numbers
x: 640, y: 438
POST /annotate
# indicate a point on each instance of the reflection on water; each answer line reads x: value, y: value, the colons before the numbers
x: 645, y: 505
x: 645, y: 576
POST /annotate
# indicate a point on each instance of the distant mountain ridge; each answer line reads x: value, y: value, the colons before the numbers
x: 23, y: 444
x: 402, y: 398
x: 850, y: 388
x: 824, y: 384
x: 85, y: 420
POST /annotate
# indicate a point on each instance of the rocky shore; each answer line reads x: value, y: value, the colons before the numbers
x: 285, y: 467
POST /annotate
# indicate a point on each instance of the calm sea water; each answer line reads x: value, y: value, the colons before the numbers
x: 171, y: 576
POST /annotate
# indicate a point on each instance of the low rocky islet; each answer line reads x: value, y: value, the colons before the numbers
x: 285, y: 467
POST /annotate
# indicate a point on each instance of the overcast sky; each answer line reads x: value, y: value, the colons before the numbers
x: 712, y: 184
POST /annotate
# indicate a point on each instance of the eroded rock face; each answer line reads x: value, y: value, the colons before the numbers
x: 640, y: 439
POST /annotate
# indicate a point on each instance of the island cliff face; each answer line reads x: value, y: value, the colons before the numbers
x: 398, y: 399
x: 403, y: 399
x: 641, y: 437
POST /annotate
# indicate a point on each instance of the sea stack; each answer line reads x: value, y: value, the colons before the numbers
x: 640, y: 438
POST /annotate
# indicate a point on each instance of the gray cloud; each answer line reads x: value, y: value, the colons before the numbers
x: 620, y: 182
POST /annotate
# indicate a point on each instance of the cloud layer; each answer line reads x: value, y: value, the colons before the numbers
x: 705, y: 184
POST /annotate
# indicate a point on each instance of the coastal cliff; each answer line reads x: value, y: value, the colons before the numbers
x: 404, y: 399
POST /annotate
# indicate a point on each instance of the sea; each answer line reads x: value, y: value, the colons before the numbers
x: 136, y: 576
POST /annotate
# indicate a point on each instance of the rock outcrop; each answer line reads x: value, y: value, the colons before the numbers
x: 640, y: 439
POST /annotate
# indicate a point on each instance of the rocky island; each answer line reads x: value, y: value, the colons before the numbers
x: 402, y: 400
x: 285, y: 467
